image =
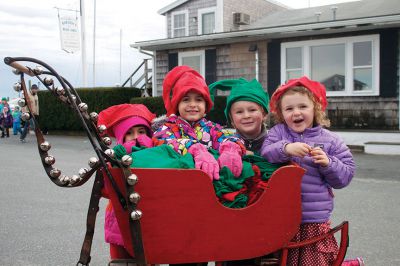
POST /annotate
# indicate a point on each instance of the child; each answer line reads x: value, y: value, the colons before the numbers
x: 6, y: 122
x: 299, y: 107
x: 187, y: 100
x: 129, y: 124
x: 16, y: 114
x: 246, y: 110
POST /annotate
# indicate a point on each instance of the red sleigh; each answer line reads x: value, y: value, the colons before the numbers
x: 173, y: 216
x: 183, y: 222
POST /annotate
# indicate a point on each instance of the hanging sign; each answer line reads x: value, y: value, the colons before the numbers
x: 69, y: 34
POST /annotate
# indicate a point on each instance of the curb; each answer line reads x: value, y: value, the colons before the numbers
x: 357, y: 148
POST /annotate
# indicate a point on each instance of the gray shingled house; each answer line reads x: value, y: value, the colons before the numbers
x: 353, y: 48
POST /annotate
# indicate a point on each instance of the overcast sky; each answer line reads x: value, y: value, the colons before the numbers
x: 31, y: 29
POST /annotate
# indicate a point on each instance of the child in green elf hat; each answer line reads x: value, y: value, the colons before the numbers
x: 246, y: 110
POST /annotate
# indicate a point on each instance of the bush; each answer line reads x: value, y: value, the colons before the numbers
x: 55, y: 115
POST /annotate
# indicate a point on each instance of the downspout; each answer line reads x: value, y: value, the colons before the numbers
x: 257, y: 65
x: 153, y: 88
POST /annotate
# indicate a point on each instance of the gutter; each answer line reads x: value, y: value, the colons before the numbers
x: 271, y: 32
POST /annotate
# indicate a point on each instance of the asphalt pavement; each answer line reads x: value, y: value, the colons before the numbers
x: 42, y: 224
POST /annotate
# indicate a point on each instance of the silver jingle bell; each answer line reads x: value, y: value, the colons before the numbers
x: 73, y: 98
x: 134, y: 197
x: 126, y: 160
x: 16, y: 71
x: 48, y: 81
x: 93, y: 161
x: 54, y: 173
x: 110, y: 152
x: 132, y: 179
x: 136, y: 214
x: 64, y: 179
x: 49, y: 160
x: 107, y: 141
x: 82, y: 172
x: 60, y: 91
x: 21, y: 102
x: 38, y: 70
x: 101, y: 129
x: 74, y: 179
x: 17, y: 86
x: 45, y: 146
x: 25, y: 116
x: 83, y: 107
x: 94, y: 116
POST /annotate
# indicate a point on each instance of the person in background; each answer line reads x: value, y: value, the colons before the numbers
x: 16, y: 114
x: 6, y: 122
x: 300, y: 136
x: 33, y: 98
x: 4, y: 103
x: 130, y: 125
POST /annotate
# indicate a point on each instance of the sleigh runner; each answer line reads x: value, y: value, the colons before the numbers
x: 172, y: 215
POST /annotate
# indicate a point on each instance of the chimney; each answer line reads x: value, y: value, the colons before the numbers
x: 334, y: 8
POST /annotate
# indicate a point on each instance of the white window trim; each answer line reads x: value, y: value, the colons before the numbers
x: 200, y: 53
x: 200, y: 13
x: 186, y: 13
x: 348, y: 41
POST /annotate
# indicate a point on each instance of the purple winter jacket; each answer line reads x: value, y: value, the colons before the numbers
x: 318, y: 181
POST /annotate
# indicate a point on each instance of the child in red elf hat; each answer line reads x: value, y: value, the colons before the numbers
x: 187, y: 100
x: 130, y: 124
x: 299, y: 107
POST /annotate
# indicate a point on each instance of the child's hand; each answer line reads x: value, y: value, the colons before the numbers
x: 319, y: 156
x: 144, y: 141
x: 231, y: 157
x: 298, y: 149
x: 128, y: 145
x: 249, y: 152
x: 204, y: 160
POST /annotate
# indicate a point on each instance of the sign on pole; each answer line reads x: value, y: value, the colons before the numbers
x: 69, y: 34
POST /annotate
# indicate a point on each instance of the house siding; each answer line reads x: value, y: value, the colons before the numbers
x: 192, y: 6
x: 256, y: 10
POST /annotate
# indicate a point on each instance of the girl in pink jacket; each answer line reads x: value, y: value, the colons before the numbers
x: 130, y: 125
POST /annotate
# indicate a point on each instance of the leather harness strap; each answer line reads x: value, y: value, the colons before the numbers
x: 91, y: 219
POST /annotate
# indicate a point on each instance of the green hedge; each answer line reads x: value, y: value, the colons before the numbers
x: 55, y: 115
x: 156, y: 105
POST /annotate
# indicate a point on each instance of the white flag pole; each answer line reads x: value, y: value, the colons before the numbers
x: 94, y: 44
x: 83, y: 37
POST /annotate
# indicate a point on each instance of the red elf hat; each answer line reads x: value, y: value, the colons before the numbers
x: 178, y: 82
x: 316, y: 88
x: 123, y: 113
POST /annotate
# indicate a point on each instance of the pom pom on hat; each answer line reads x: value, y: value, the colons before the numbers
x: 241, y: 90
x: 316, y: 88
x: 178, y: 82
x: 120, y: 118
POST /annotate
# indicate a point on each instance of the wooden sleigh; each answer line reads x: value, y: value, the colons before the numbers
x: 170, y: 216
x: 183, y: 222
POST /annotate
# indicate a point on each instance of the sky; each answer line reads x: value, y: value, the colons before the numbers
x: 30, y: 29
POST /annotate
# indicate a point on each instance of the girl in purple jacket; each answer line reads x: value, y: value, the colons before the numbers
x: 300, y: 136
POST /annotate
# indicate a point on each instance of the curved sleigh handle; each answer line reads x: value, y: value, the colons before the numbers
x: 344, y: 243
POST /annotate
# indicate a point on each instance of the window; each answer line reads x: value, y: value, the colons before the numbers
x: 346, y: 66
x: 194, y: 59
x: 207, y: 23
x: 179, y: 24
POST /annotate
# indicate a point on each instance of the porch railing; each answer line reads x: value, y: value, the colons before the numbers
x: 141, y: 78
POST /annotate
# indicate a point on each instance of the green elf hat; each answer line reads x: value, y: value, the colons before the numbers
x: 241, y: 90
